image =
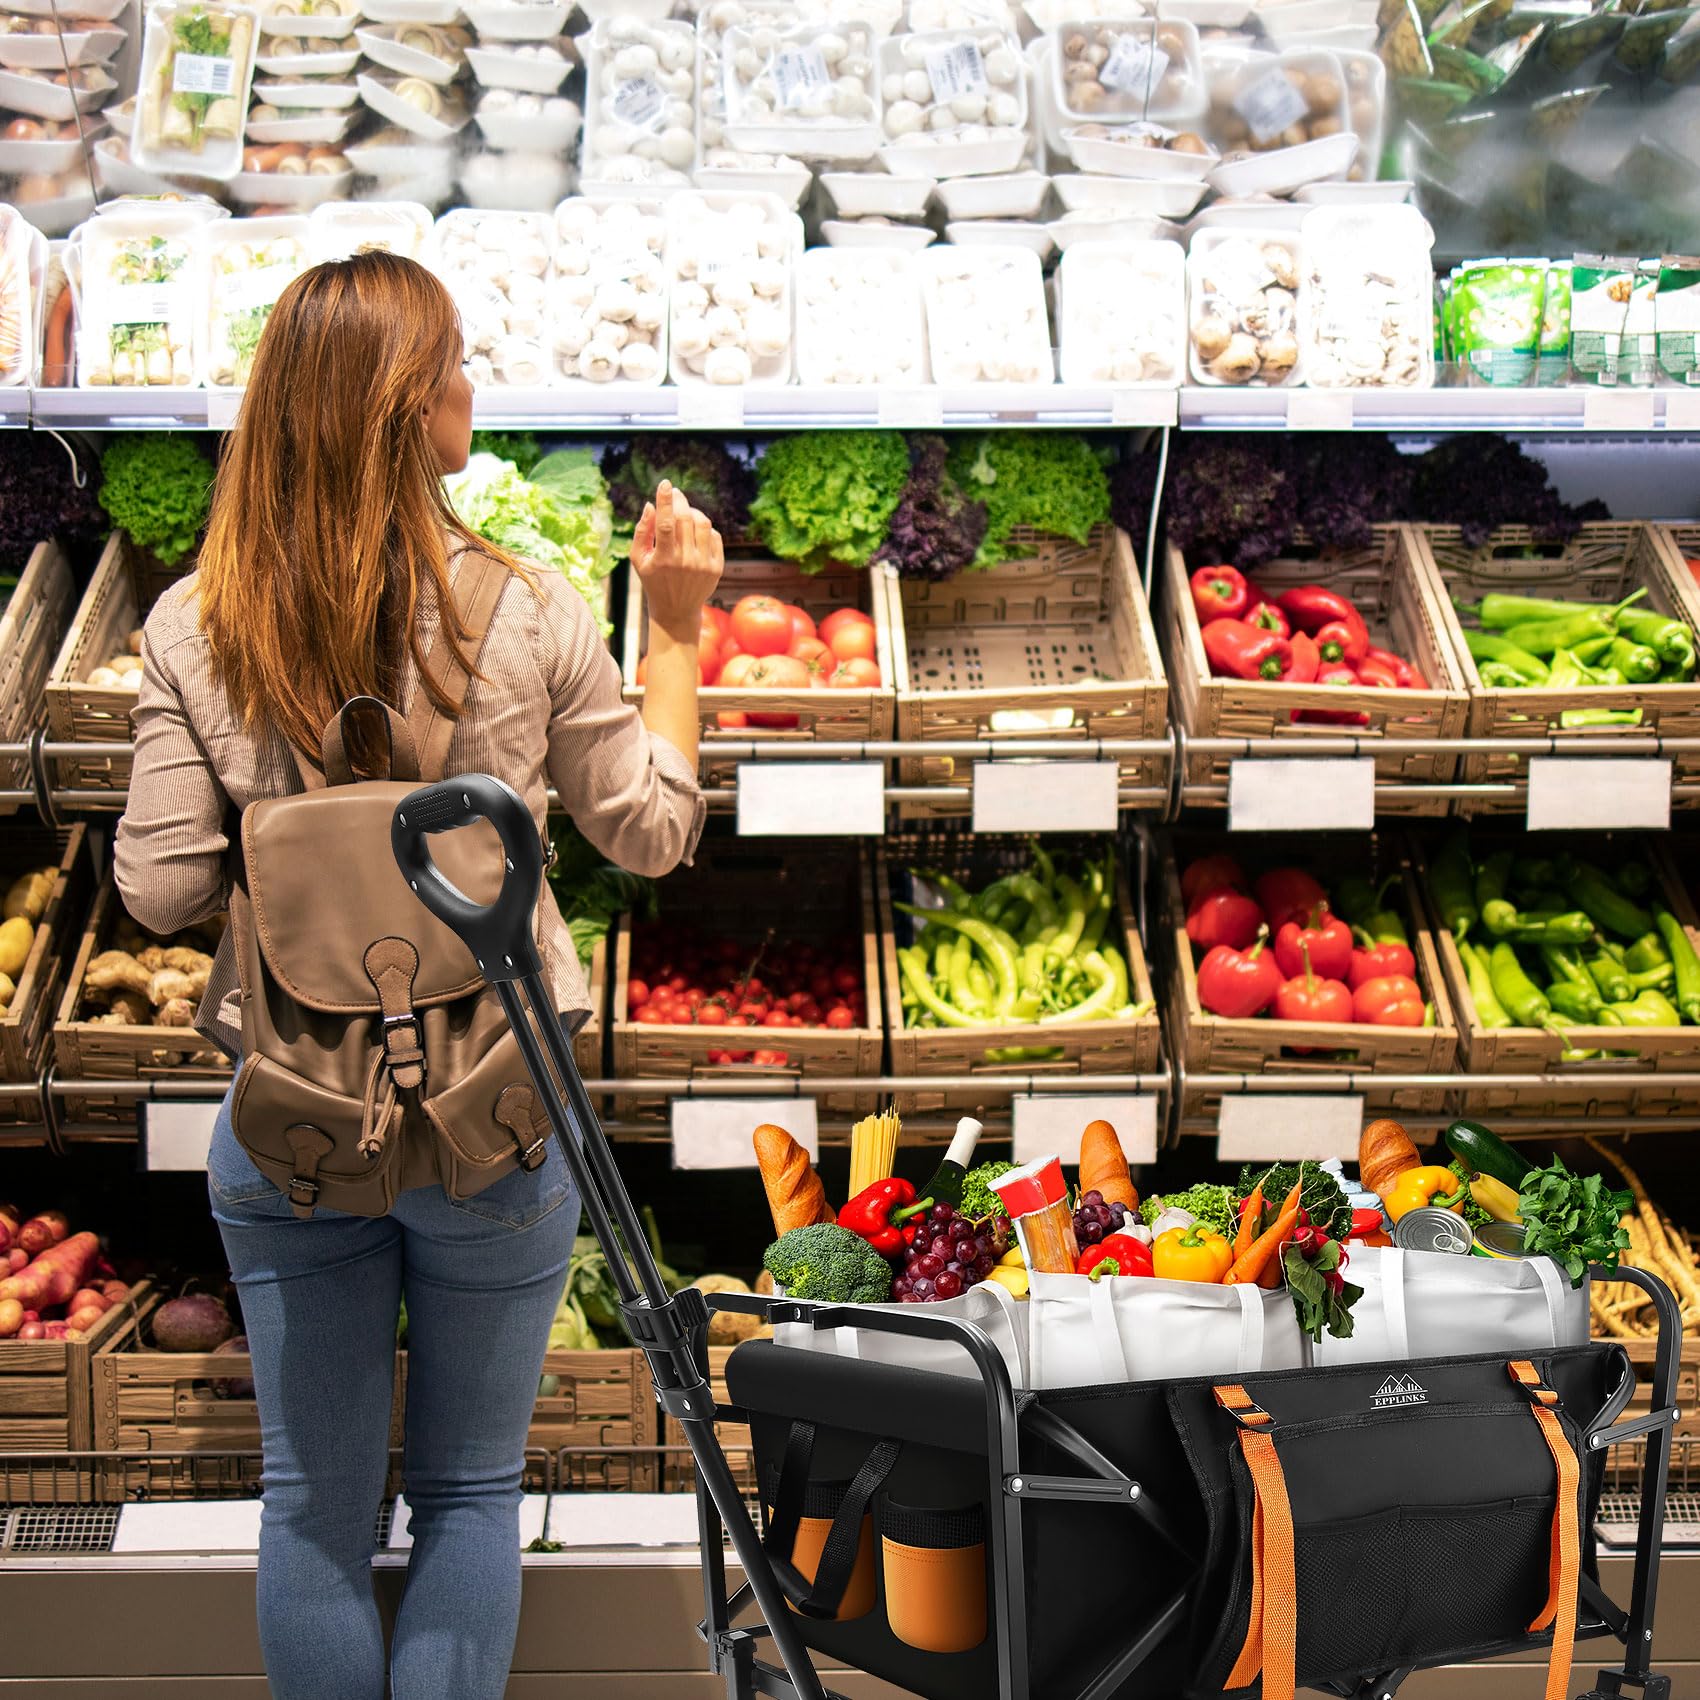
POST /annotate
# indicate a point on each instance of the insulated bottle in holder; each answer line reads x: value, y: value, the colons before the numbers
x: 935, y: 1576
x: 821, y: 1501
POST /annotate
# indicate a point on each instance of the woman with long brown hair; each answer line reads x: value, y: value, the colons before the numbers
x: 328, y: 573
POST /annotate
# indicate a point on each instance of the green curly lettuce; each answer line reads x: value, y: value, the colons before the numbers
x: 827, y: 497
x: 157, y: 486
x: 978, y: 1199
x: 1052, y: 480
x: 1210, y: 1205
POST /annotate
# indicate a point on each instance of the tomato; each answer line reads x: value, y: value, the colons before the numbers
x: 734, y: 720
x: 771, y: 1059
x: 849, y: 633
x: 735, y: 673
x: 719, y: 1056
x: 801, y: 625
x: 637, y: 994
x: 778, y: 673
x: 718, y: 620
x: 814, y: 655
x: 854, y: 675
x: 709, y: 646
x: 847, y: 981
x: 839, y: 1016
x: 762, y: 625
x: 776, y: 1018
x: 652, y: 1015
x: 711, y: 1014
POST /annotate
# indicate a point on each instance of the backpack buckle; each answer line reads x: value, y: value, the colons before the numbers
x: 303, y: 1191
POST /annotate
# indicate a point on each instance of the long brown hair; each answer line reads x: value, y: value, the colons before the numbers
x: 328, y: 514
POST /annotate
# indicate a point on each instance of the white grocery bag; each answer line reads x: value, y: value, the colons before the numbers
x: 1432, y: 1304
x: 1085, y: 1333
x: 990, y: 1306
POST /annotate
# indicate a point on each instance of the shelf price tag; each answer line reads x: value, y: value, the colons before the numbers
x: 222, y: 408
x: 1045, y: 796
x: 177, y: 1133
x: 1682, y: 408
x: 811, y: 799
x: 1302, y: 794
x: 915, y: 409
x: 715, y: 1133
x: 1051, y: 1123
x: 714, y: 407
x: 1144, y: 407
x: 1617, y: 410
x: 1319, y: 410
x: 1570, y: 793
x: 1258, y: 1127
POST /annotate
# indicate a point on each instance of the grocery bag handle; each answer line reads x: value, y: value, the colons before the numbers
x: 498, y: 934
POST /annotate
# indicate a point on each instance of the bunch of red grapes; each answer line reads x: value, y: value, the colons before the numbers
x: 949, y: 1255
x: 1095, y: 1220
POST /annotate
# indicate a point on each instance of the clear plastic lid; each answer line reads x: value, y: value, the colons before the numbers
x: 809, y: 90
x: 1113, y: 71
x: 250, y: 262
x: 496, y: 266
x: 640, y: 102
x: 142, y: 298
x: 606, y: 307
x: 859, y: 318
x: 1243, y: 305
x: 986, y: 320
x: 197, y: 64
x: 955, y: 89
x: 1121, y: 314
x: 1367, y: 318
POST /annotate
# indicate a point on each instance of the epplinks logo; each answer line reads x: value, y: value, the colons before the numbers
x: 1398, y: 1390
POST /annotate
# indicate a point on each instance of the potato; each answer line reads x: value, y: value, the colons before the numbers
x: 7, y: 991
x: 16, y: 936
x: 28, y: 894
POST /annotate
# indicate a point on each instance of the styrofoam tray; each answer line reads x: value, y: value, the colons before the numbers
x: 1257, y: 214
x: 1203, y: 245
x: 497, y: 69
x: 333, y: 26
x: 340, y: 228
x: 877, y: 194
x: 122, y: 176
x: 44, y: 159
x: 381, y: 159
x: 1286, y: 169
x: 59, y: 214
x: 54, y: 52
x: 1077, y: 228
x: 1354, y: 38
x: 787, y: 183
x: 514, y: 182
x: 991, y: 344
x: 274, y: 189
x: 1181, y: 105
x: 94, y: 11
x: 383, y: 50
x: 1148, y: 197
x: 848, y: 334
x: 1014, y: 195
x: 384, y: 101
x: 320, y: 129
x: 324, y: 96
x: 1128, y: 159
x: 955, y: 158
x: 411, y: 11
x: 38, y: 98
x: 849, y: 233
x: 531, y: 130
x: 1206, y: 14
x: 1001, y: 233
x: 1121, y: 314
x: 1383, y: 192
x: 287, y: 65
x: 512, y: 20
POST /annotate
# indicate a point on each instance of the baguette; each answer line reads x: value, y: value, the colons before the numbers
x: 794, y: 1191
x: 1103, y: 1166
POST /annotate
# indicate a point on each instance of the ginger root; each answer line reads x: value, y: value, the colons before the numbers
x: 131, y: 1009
x: 186, y: 961
x: 170, y: 984
x: 175, y: 1012
x: 116, y: 971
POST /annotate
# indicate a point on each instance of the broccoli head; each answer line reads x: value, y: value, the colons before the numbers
x: 828, y: 1263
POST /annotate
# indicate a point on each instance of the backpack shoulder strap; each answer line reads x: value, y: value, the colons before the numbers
x: 477, y: 590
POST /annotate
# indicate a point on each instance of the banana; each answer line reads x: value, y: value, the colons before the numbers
x: 1495, y: 1197
x: 1014, y: 1279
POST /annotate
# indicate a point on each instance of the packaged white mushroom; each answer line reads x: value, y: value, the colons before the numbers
x: 640, y: 103
x: 606, y: 305
x: 1368, y: 298
x: 729, y: 268
x: 954, y: 102
x: 715, y: 21
x: 496, y: 266
x: 1121, y: 314
x: 1243, y: 292
x: 250, y: 261
x: 1109, y: 71
x: 1366, y: 108
x: 859, y: 318
x: 1264, y: 101
x: 511, y: 118
x: 142, y: 307
x: 986, y: 321
x: 809, y: 91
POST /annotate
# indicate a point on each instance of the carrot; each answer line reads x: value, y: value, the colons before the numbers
x: 1251, y: 1264
x: 1251, y: 1212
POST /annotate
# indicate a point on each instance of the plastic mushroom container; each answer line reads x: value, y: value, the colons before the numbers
x: 986, y: 320
x: 496, y: 265
x: 640, y: 105
x: 860, y: 318
x: 954, y: 103
x: 606, y: 306
x: 1243, y: 292
x: 1121, y: 314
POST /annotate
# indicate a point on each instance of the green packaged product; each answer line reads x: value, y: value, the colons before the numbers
x: 1568, y: 45
x: 1645, y: 38
x: 1600, y: 288
x: 1677, y: 312
x: 1555, y: 312
x: 1682, y: 53
x: 1639, y: 361
x: 1498, y: 308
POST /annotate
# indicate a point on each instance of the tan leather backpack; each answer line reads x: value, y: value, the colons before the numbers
x: 375, y: 1058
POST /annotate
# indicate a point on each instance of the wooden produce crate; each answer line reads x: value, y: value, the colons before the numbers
x: 767, y: 894
x: 603, y: 1399
x: 28, y: 1019
x: 33, y: 621
x: 1213, y: 1045
x: 678, y: 1469
x: 1056, y: 644
x: 1392, y: 585
x: 84, y: 1050
x: 1604, y: 562
x: 1087, y: 1047
x: 1571, y: 1094
x: 152, y: 1402
x: 126, y: 584
x: 587, y: 1042
x: 47, y: 1406
x: 834, y: 717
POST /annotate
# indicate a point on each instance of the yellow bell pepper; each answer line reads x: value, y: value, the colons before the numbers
x: 1191, y: 1254
x: 1416, y: 1188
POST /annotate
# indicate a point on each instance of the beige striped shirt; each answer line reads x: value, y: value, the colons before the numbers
x: 547, y: 710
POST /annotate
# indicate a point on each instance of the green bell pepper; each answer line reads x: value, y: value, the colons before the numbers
x: 1648, y: 1009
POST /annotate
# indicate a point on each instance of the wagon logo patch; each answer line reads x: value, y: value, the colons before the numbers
x: 1398, y: 1390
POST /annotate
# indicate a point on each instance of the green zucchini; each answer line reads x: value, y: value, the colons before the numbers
x: 1485, y: 1153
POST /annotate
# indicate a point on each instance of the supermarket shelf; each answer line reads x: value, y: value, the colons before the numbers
x: 1448, y: 408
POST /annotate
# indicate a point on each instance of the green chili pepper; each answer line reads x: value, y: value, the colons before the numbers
x: 1499, y: 610
x: 1073, y: 920
x: 1490, y: 1012
x: 1023, y: 1053
x: 1672, y: 640
x: 1498, y: 914
x: 1497, y: 652
x: 1102, y: 1001
x: 1589, y: 650
x: 1609, y: 975
x: 1548, y: 636
x: 1496, y: 676
x: 995, y: 945
x: 1451, y: 885
x: 950, y: 890
x: 1648, y: 951
x: 1574, y: 719
x: 1521, y: 998
x: 1042, y: 861
x: 1684, y: 961
x: 980, y: 983
x: 1648, y: 1009
x: 1567, y: 671
x: 1539, y: 899
x: 1633, y: 879
x: 1638, y: 664
x: 1541, y: 926
x: 1041, y: 906
x: 1611, y: 911
x: 1566, y: 965
x: 1656, y: 978
x: 1574, y: 1004
x: 1534, y: 870
x: 1363, y: 905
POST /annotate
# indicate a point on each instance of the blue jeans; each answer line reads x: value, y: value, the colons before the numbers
x: 320, y: 1300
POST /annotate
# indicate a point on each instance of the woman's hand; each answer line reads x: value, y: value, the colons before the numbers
x: 678, y: 557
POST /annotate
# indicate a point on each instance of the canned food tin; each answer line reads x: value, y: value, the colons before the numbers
x: 1429, y: 1229
x: 1500, y: 1239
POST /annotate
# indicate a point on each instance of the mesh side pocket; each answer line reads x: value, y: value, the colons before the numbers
x: 1351, y: 1583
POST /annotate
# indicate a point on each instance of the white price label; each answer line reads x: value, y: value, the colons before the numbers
x: 140, y: 303
x: 1572, y: 793
x: 1144, y: 407
x: 223, y: 405
x: 178, y: 1134
x: 802, y: 77
x: 197, y: 1526
x: 638, y: 102
x: 1254, y: 1127
x: 811, y: 799
x: 1136, y: 65
x: 1302, y: 794
x: 1625, y: 409
x: 712, y: 406
x: 1045, y: 796
x: 911, y: 409
x: 1682, y: 409
x: 717, y: 1133
x: 956, y: 70
x: 203, y: 73
x: 1270, y: 105
x: 241, y: 292
x: 1051, y: 1123
x: 1319, y: 410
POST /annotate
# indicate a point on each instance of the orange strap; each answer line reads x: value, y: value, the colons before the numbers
x: 1559, y: 1613
x: 1271, y: 1643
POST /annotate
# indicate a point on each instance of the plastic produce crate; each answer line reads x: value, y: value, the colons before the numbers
x: 1395, y: 589
x: 1569, y: 1093
x: 1214, y: 1045
x: 33, y: 620
x: 836, y: 717
x: 601, y: 1399
x: 1084, y: 1048
x: 1056, y: 644
x: 26, y: 1023
x: 1604, y: 562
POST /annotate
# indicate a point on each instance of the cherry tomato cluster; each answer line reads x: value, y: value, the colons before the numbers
x: 766, y: 644
x: 684, y: 982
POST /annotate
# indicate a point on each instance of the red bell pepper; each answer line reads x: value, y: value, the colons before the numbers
x: 1324, y: 940
x: 1333, y: 673
x: 1407, y: 677
x: 1219, y: 593
x: 1306, y: 659
x: 1377, y: 674
x: 1307, y: 997
x: 1311, y: 606
x: 1211, y: 873
x: 1226, y: 917
x: 1236, y: 984
x: 1393, y: 1000
x: 1267, y: 617
x: 882, y: 1214
x: 1115, y: 1254
x: 1239, y: 651
x: 1344, y: 640
x: 1289, y: 894
x: 1377, y: 961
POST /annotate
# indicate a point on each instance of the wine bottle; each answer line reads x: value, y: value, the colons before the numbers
x: 945, y: 1187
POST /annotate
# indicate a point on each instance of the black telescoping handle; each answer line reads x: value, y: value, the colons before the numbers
x: 498, y: 934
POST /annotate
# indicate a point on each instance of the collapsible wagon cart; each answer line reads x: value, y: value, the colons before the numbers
x: 1330, y: 1529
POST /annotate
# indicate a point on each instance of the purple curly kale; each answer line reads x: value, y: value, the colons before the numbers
x: 1482, y: 482
x: 935, y: 530
x: 1347, y: 482
x: 38, y: 500
x: 714, y: 480
x: 1231, y: 499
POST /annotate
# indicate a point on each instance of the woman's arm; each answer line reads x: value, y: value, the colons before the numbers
x: 678, y: 557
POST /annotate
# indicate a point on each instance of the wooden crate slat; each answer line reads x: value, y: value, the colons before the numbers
x: 32, y: 627
x: 604, y: 1400
x: 27, y: 1022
